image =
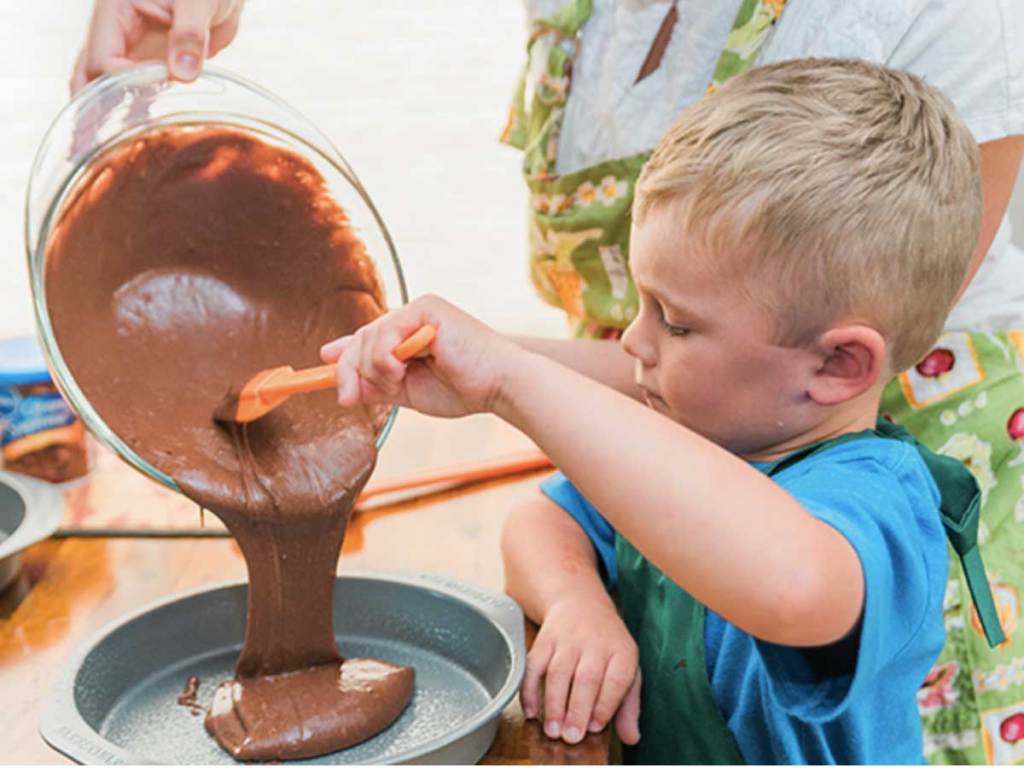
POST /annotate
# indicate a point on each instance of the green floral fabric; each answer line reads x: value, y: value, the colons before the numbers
x: 579, y: 222
x: 966, y: 400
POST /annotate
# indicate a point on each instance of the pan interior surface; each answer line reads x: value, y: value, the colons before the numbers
x: 126, y: 687
x: 12, y: 511
x: 147, y: 721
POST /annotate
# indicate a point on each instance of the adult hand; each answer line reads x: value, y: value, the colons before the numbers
x: 183, y: 33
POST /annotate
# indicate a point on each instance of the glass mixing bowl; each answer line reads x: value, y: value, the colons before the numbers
x: 116, y: 108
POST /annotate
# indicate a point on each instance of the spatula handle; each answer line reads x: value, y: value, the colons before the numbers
x: 417, y: 344
x: 323, y: 376
x: 310, y: 379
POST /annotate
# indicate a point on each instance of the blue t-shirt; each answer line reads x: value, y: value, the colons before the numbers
x: 852, y: 702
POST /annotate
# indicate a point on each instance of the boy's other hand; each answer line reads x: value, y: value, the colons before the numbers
x: 463, y: 373
x: 182, y: 33
x: 588, y: 663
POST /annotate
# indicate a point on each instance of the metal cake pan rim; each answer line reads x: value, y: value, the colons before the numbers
x: 43, y: 511
x: 63, y: 728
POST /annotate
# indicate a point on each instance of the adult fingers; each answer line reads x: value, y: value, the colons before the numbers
x: 78, y: 79
x: 155, y: 10
x: 189, y: 38
x: 83, y: 75
x: 106, y: 41
x: 222, y: 34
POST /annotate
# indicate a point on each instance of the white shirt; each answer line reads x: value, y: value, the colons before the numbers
x: 972, y: 50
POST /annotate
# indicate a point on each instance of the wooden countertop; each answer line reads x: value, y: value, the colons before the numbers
x: 71, y: 587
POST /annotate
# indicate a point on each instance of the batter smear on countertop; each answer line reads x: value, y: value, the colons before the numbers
x: 187, y: 260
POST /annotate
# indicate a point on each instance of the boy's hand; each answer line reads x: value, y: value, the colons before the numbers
x: 463, y: 373
x: 588, y: 662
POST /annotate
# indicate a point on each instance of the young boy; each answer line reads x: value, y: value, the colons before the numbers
x: 798, y: 236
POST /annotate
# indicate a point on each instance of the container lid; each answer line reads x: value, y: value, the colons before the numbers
x: 22, y: 362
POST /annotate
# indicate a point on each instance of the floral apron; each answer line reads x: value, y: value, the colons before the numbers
x: 966, y: 400
x: 579, y: 221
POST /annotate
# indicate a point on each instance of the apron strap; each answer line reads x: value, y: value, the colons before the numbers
x: 961, y: 515
x: 959, y: 509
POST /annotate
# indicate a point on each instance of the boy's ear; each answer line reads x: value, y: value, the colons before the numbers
x: 853, y: 358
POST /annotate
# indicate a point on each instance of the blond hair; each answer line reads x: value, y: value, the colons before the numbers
x: 836, y: 189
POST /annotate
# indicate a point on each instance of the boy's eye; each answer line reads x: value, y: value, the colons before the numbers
x: 673, y: 330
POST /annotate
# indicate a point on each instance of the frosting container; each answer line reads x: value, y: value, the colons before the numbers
x: 39, y: 434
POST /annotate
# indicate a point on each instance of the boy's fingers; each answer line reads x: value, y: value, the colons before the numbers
x: 373, y: 365
x: 331, y: 351
x: 627, y: 720
x: 367, y: 336
x: 189, y: 38
x: 618, y: 679
x: 586, y: 684
x: 536, y: 665
x: 371, y: 393
x: 385, y: 364
x: 347, y: 376
x: 556, y: 690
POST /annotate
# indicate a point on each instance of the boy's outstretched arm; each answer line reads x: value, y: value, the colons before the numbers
x: 583, y: 654
x: 716, y: 526
x: 713, y: 524
x: 603, y: 361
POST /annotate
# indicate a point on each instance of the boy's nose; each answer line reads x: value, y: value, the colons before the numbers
x: 637, y: 343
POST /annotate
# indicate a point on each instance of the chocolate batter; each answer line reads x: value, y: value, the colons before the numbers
x: 189, y: 696
x: 186, y: 261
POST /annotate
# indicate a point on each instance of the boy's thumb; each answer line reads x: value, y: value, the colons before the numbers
x: 188, y: 38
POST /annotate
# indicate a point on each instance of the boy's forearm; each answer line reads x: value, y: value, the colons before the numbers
x: 603, y: 361
x: 548, y: 558
x: 716, y: 526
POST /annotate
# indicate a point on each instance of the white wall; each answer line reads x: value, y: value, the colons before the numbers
x: 1017, y: 211
x: 413, y: 93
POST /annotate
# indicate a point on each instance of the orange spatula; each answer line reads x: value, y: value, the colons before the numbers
x: 271, y: 387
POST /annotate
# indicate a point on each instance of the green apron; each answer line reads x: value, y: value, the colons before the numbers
x: 679, y: 719
x: 579, y: 221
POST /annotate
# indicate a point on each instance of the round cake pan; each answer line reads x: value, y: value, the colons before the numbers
x: 116, y: 701
x: 30, y: 510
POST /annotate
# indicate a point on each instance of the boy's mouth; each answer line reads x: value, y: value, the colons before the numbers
x: 653, y: 401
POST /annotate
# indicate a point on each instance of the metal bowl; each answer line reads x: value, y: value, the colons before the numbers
x: 116, y: 700
x: 30, y: 510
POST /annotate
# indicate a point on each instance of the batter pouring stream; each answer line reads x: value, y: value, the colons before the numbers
x: 187, y: 260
